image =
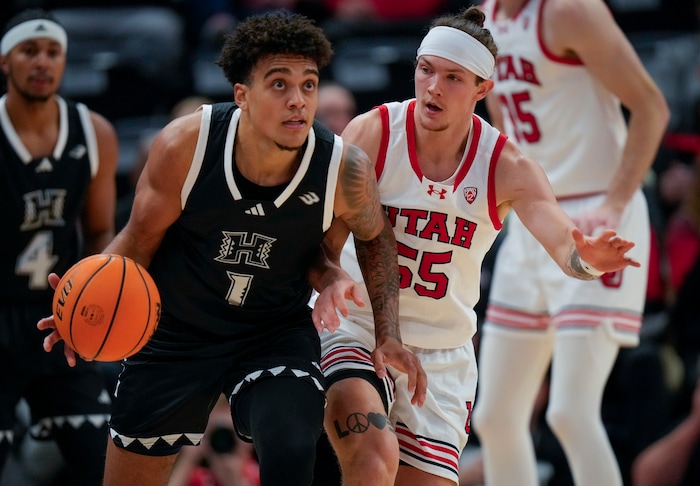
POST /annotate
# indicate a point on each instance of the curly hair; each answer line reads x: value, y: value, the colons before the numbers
x: 471, y: 21
x: 269, y: 34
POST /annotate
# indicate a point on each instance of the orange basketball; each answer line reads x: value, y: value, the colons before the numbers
x: 106, y: 307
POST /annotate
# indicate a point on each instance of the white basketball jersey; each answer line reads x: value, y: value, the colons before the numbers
x: 443, y: 230
x: 556, y: 112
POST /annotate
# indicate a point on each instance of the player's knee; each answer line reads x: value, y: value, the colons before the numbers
x: 287, y: 457
x: 376, y: 458
x: 562, y: 422
x: 485, y: 421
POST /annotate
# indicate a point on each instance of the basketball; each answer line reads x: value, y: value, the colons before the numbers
x: 106, y: 307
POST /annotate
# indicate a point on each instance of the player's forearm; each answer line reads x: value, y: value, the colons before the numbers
x: 574, y: 267
x: 379, y: 263
x: 645, y: 131
x: 96, y: 242
x: 325, y: 268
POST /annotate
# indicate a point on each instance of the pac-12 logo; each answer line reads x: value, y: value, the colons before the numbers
x: 470, y: 194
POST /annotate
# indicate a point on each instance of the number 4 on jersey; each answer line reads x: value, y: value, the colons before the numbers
x: 37, y: 260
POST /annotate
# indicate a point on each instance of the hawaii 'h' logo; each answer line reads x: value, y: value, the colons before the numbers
x: 240, y: 247
x: 43, y: 207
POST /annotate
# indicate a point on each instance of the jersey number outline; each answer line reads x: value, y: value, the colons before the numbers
x: 524, y: 123
x: 439, y: 281
x: 37, y: 260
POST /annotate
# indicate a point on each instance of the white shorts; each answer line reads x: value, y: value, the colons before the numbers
x: 530, y: 292
x: 431, y: 438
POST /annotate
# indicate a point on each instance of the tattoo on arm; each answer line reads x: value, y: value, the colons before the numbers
x: 360, y: 191
x: 379, y: 264
x: 377, y: 255
x: 574, y: 266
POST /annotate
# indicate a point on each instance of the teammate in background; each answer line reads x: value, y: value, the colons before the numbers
x: 229, y: 215
x: 57, y: 195
x: 336, y: 106
x: 447, y: 179
x: 563, y: 70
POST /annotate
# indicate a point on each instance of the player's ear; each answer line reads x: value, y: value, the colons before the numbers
x: 483, y: 89
x: 240, y: 95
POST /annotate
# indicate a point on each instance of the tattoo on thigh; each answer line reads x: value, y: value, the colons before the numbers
x: 359, y: 423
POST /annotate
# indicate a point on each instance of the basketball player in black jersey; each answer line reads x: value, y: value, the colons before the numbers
x: 57, y: 198
x: 229, y: 214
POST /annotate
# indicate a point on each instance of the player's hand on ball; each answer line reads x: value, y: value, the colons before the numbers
x: 48, y: 323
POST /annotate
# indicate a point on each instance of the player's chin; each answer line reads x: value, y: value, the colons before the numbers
x: 287, y: 147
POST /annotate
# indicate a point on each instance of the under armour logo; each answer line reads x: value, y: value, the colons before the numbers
x: 256, y: 210
x: 310, y: 198
x: 436, y: 193
x: 470, y: 194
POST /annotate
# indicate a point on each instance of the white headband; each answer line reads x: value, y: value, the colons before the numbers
x: 32, y: 29
x: 457, y: 46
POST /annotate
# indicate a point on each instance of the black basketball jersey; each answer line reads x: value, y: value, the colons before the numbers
x: 231, y: 264
x: 41, y: 203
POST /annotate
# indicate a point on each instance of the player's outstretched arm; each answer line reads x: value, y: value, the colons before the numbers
x: 156, y: 205
x: 521, y: 184
x: 158, y: 198
x: 357, y: 204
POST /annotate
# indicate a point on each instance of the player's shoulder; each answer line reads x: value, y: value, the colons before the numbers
x: 364, y: 127
x: 180, y: 135
x: 103, y: 126
x: 574, y: 15
x: 511, y: 157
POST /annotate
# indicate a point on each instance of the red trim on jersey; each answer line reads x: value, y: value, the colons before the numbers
x: 621, y: 321
x: 579, y: 317
x: 545, y: 50
x: 427, y: 450
x: 344, y: 354
x: 491, y: 191
x: 411, y: 139
x: 471, y: 153
x: 384, y: 144
x: 516, y: 319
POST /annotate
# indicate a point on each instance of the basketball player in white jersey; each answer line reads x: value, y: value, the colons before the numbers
x: 446, y: 179
x: 563, y: 70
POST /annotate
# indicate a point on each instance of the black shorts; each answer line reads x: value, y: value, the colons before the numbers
x: 53, y: 390
x: 165, y: 392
